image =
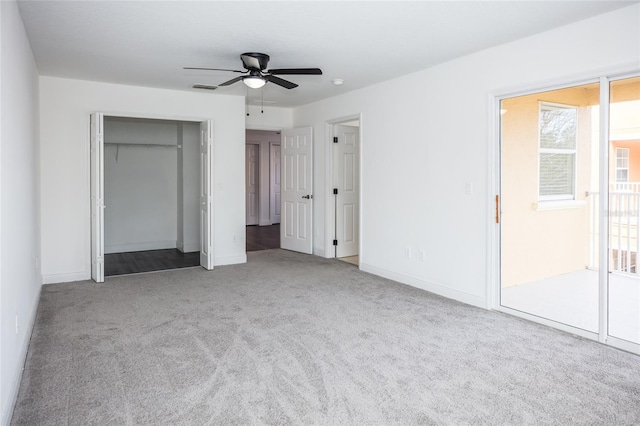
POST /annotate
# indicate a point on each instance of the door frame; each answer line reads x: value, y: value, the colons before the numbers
x: 330, y: 219
x: 494, y: 189
x: 168, y: 117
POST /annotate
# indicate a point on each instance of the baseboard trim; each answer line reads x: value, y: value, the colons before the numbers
x: 191, y: 247
x: 438, y: 289
x: 230, y: 260
x: 149, y: 245
x: 15, y: 385
x: 65, y: 278
x: 188, y: 247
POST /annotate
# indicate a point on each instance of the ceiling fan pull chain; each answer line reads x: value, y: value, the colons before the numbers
x: 262, y: 100
x: 246, y: 104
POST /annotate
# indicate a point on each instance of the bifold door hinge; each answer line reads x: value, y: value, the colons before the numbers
x: 335, y: 191
x: 335, y: 139
x: 335, y: 242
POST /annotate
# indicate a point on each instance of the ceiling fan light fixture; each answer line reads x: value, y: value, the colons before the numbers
x: 254, y: 82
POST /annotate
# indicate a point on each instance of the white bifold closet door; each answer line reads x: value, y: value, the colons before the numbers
x: 97, y: 197
x: 206, y: 194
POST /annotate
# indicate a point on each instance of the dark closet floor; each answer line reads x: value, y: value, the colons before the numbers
x: 148, y: 261
x: 263, y: 237
x: 258, y: 238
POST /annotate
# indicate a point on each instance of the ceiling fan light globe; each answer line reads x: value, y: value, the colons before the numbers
x: 254, y: 82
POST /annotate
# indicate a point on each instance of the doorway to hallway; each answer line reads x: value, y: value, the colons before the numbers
x: 345, y: 184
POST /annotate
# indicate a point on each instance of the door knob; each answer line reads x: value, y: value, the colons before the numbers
x: 308, y: 197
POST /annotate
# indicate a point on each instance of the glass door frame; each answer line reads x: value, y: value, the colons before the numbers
x: 494, y: 279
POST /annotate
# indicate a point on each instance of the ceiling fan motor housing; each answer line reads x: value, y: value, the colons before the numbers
x: 254, y: 60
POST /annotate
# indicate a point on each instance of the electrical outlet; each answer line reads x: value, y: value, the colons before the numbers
x: 423, y: 256
x: 17, y: 326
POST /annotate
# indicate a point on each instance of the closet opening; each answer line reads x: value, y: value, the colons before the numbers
x: 262, y: 190
x: 151, y: 195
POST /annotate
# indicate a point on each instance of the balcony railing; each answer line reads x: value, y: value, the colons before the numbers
x: 624, y: 232
x: 625, y: 187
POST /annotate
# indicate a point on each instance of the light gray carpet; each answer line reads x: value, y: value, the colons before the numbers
x: 296, y: 339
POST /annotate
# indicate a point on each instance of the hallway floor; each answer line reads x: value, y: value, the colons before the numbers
x: 263, y: 237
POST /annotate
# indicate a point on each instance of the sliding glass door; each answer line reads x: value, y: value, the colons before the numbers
x: 549, y: 199
x: 570, y: 206
x: 624, y: 210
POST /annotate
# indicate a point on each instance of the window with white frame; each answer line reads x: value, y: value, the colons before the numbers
x: 557, y: 152
x: 622, y: 164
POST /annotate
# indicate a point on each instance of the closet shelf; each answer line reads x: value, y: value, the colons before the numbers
x: 147, y: 145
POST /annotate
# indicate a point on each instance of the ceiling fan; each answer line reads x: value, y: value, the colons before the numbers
x: 254, y: 66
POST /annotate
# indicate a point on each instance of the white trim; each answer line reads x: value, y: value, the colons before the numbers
x: 147, y: 245
x: 66, y: 277
x: 230, y: 260
x: 165, y: 117
x: 494, y: 188
x: 441, y: 290
x: 188, y: 247
x: 603, y: 276
x: 620, y: 150
x: 22, y: 356
x: 549, y: 323
x: 558, y: 204
x: 619, y: 72
x: 543, y: 105
x: 624, y: 345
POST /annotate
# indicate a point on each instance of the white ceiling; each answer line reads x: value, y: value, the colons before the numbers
x: 147, y: 43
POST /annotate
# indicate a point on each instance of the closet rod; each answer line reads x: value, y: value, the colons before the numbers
x: 143, y: 144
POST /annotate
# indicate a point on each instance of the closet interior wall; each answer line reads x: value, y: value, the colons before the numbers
x: 151, y: 183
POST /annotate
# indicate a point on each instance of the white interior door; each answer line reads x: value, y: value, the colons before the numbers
x: 206, y: 194
x: 346, y: 175
x: 251, y: 177
x: 97, y: 197
x: 296, y: 190
x: 274, y: 183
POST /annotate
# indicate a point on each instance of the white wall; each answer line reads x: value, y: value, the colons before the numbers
x: 263, y: 139
x: 273, y: 118
x: 140, y: 185
x: 20, y: 279
x: 65, y: 106
x: 426, y: 135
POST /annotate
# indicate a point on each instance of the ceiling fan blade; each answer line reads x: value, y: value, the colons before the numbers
x: 280, y: 82
x: 296, y: 71
x: 230, y: 82
x: 210, y: 69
